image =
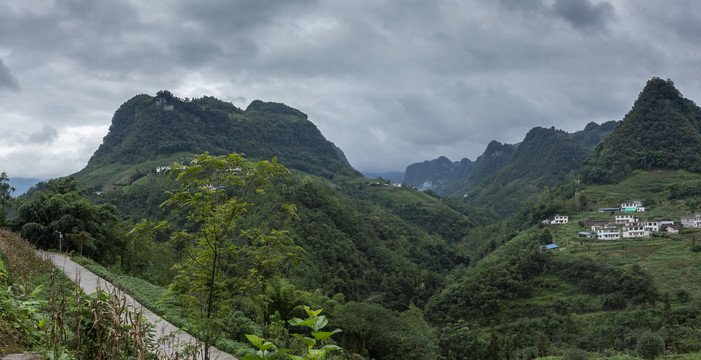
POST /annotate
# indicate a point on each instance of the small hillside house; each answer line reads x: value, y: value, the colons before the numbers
x: 652, y: 226
x: 608, y: 233
x: 634, y: 203
x: 692, y: 221
x: 669, y: 227
x: 634, y: 230
x: 560, y: 219
x: 625, y: 218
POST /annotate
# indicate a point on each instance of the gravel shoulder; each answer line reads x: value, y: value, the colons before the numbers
x: 90, y: 283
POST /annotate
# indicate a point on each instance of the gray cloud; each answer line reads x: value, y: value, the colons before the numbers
x: 46, y: 135
x: 391, y: 82
x: 7, y: 80
x: 584, y: 14
x: 195, y: 53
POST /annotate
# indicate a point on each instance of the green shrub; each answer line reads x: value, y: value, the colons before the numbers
x: 575, y: 354
x: 650, y: 345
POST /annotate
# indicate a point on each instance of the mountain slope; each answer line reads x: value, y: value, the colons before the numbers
x: 662, y: 130
x: 495, y: 156
x: 594, y: 133
x: 538, y: 161
x: 145, y: 128
x: 456, y: 179
x: 436, y: 174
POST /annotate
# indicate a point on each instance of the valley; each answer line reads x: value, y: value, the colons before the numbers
x: 228, y: 245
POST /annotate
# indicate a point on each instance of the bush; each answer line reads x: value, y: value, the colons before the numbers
x: 650, y: 345
x: 575, y: 354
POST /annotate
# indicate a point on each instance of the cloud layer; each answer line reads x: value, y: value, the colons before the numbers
x: 391, y: 83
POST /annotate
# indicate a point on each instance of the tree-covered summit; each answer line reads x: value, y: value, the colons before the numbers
x: 146, y: 127
x: 660, y: 131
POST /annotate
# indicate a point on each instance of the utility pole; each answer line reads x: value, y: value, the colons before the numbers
x: 60, y: 239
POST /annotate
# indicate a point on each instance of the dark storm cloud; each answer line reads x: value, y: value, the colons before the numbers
x: 195, y: 53
x: 581, y: 14
x: 584, y: 14
x: 7, y: 81
x: 231, y: 17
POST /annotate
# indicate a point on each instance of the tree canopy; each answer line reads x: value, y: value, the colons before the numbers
x: 63, y: 210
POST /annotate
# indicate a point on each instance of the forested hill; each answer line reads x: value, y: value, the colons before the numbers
x: 662, y: 130
x: 458, y: 178
x: 542, y: 157
x: 435, y: 174
x: 147, y: 127
x: 496, y: 156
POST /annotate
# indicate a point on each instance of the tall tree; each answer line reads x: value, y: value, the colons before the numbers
x: 62, y: 210
x: 6, y: 191
x: 223, y: 260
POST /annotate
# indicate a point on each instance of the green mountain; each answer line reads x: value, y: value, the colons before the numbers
x: 456, y: 179
x: 542, y: 157
x: 496, y: 156
x: 436, y: 174
x: 145, y: 129
x: 362, y: 239
x: 594, y: 133
x: 662, y: 130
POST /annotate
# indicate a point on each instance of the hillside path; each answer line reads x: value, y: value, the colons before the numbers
x: 90, y: 283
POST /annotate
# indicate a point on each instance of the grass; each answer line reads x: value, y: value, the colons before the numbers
x: 667, y: 257
x: 624, y: 356
x: 111, y: 175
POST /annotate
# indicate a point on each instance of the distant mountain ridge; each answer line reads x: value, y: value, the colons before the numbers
x: 435, y: 174
x: 459, y: 178
x: 542, y: 157
x: 146, y: 127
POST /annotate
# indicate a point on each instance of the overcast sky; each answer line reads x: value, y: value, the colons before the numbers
x: 390, y: 82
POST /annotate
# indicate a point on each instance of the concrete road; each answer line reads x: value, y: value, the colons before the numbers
x: 90, y: 283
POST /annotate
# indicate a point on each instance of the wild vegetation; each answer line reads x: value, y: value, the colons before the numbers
x: 57, y: 320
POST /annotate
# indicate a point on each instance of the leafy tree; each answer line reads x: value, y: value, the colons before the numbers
x: 575, y: 354
x: 89, y: 228
x: 62, y: 185
x: 650, y: 345
x: 223, y: 260
x: 5, y: 196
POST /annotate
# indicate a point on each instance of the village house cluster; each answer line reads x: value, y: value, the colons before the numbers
x: 625, y: 224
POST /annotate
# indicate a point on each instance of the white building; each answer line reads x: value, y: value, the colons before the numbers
x: 632, y: 204
x: 608, y: 233
x: 625, y: 218
x: 652, y: 226
x: 560, y: 219
x: 691, y: 221
x: 635, y: 230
